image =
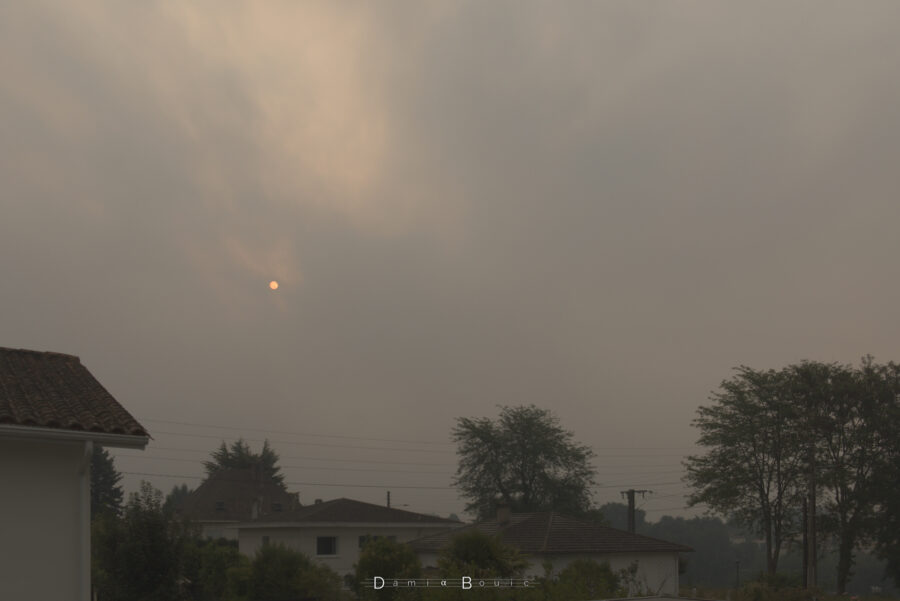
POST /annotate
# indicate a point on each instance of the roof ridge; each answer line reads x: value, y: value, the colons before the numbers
x: 7, y: 349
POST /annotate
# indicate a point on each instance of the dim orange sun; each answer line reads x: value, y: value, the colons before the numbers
x: 273, y: 285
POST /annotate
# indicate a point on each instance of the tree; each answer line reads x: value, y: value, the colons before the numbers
x: 388, y: 559
x: 139, y: 557
x: 239, y: 455
x: 473, y: 553
x: 524, y: 459
x: 207, y: 565
x: 175, y: 497
x: 813, y: 431
x: 847, y: 453
x: 282, y: 574
x: 755, y: 457
x: 106, y: 494
x: 886, y: 492
x: 585, y: 579
x: 616, y: 516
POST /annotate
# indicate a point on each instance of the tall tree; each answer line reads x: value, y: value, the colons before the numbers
x: 106, y: 493
x: 886, y: 492
x: 388, y: 559
x: 239, y: 455
x: 175, y: 497
x: 140, y: 555
x: 843, y: 409
x: 754, y: 457
x: 525, y: 459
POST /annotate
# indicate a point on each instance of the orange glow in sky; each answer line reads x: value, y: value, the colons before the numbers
x: 273, y: 285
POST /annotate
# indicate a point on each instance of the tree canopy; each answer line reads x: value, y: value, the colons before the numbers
x: 239, y: 455
x: 140, y: 555
x: 106, y: 493
x: 807, y: 431
x: 387, y: 558
x: 524, y: 459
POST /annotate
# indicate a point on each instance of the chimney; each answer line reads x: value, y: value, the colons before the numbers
x: 503, y: 513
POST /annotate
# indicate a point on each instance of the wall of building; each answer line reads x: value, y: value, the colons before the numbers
x: 41, y: 519
x: 304, y: 539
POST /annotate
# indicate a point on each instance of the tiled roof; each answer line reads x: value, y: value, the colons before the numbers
x: 52, y: 390
x: 229, y: 496
x: 348, y: 510
x: 551, y: 533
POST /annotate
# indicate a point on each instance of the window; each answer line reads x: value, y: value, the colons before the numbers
x: 365, y: 538
x: 276, y: 506
x: 265, y: 540
x: 220, y: 505
x: 326, y: 545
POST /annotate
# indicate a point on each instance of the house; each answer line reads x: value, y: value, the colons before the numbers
x: 231, y: 496
x: 334, y: 532
x: 52, y: 413
x: 560, y: 539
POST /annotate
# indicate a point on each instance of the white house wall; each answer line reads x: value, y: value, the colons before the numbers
x: 303, y: 539
x: 41, y: 520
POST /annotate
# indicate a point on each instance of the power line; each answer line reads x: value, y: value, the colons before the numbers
x: 311, y: 444
x: 207, y: 451
x: 390, y: 486
x: 670, y: 509
x: 407, y: 441
x: 301, y: 467
x: 164, y: 421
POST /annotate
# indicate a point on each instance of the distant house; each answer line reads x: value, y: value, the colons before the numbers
x: 334, y: 532
x: 231, y: 496
x: 52, y: 412
x: 561, y: 540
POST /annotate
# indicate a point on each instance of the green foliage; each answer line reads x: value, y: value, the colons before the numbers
x: 616, y: 516
x: 282, y: 574
x: 386, y: 558
x: 585, y: 579
x: 175, y: 497
x: 770, y: 434
x: 239, y: 455
x: 139, y: 557
x: 524, y: 459
x: 753, y: 466
x: 473, y: 553
x: 207, y: 565
x: 106, y: 493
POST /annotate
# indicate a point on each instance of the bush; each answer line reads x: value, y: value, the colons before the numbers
x: 281, y: 574
x: 585, y: 579
x: 386, y: 558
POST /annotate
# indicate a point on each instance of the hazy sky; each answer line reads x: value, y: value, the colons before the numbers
x: 596, y: 207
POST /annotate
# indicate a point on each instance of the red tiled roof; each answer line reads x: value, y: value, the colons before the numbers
x: 52, y: 390
x: 348, y: 510
x: 229, y: 496
x: 553, y: 533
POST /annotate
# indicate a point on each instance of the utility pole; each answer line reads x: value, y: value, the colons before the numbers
x: 631, y: 509
x: 388, y: 498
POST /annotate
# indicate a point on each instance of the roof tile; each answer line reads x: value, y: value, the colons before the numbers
x: 53, y: 390
x: 553, y: 533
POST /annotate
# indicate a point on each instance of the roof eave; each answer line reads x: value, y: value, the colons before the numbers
x: 105, y: 439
